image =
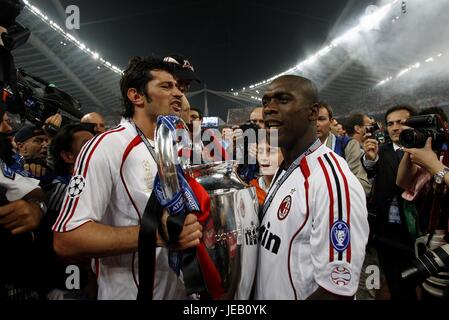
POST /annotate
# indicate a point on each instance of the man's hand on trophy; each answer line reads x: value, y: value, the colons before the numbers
x: 191, y: 234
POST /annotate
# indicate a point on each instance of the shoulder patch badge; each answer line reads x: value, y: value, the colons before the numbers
x: 76, y: 186
x: 340, y: 236
x: 341, y: 276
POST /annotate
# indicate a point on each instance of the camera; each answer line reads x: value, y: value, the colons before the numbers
x: 248, y: 167
x: 376, y: 132
x: 42, y: 100
x: 249, y: 125
x: 21, y: 93
x: 422, y: 128
x: 15, y: 36
x: 430, y: 264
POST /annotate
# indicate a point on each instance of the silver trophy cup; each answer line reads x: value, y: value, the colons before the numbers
x: 230, y: 234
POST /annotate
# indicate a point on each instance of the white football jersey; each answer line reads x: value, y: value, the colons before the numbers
x: 112, y: 182
x: 13, y: 186
x: 314, y: 231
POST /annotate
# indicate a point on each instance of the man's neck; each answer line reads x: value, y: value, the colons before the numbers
x: 146, y: 126
x: 301, y: 146
x: 325, y: 138
x: 358, y: 137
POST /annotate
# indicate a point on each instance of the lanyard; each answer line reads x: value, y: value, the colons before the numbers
x: 277, y: 183
x: 145, y: 141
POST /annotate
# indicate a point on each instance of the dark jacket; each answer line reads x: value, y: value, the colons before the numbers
x: 385, y: 189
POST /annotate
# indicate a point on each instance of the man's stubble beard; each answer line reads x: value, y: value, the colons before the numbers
x: 152, y: 117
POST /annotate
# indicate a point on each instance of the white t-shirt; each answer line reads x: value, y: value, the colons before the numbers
x: 112, y: 182
x: 13, y: 186
x: 314, y: 232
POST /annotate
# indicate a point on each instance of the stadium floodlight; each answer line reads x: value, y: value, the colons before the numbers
x: 37, y: 12
x: 402, y: 72
x: 368, y: 22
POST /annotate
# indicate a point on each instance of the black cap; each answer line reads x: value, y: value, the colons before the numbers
x: 28, y: 132
x: 183, y: 68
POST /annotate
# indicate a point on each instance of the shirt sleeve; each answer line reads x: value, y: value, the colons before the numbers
x: 369, y: 164
x: 352, y: 156
x: 340, y: 226
x: 89, y: 190
x: 16, y: 186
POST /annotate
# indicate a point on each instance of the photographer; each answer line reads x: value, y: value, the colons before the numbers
x: 423, y: 173
x: 428, y: 159
x: 357, y: 125
x: 388, y: 224
x: 423, y: 158
x: 416, y: 159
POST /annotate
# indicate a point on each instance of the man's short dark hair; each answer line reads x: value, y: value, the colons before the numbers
x: 200, y: 114
x: 63, y: 141
x: 412, y: 111
x: 355, y: 119
x: 434, y: 110
x: 343, y: 122
x: 137, y: 75
x: 306, y: 86
x: 327, y: 107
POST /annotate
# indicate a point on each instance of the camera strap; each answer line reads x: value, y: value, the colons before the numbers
x: 278, y: 183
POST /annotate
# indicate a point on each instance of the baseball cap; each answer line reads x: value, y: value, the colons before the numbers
x: 28, y: 132
x: 183, y: 68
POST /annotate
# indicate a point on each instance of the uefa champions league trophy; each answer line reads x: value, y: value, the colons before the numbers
x: 230, y: 233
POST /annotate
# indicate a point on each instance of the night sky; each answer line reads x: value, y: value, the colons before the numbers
x: 230, y: 43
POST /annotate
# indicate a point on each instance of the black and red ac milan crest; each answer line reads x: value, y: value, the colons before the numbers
x: 284, y: 208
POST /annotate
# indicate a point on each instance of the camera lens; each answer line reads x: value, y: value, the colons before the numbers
x: 430, y: 263
x: 411, y: 138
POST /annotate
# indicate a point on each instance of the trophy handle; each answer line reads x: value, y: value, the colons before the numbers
x: 171, y: 150
x: 166, y: 161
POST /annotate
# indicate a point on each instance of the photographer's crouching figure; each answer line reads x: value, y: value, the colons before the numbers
x: 423, y: 173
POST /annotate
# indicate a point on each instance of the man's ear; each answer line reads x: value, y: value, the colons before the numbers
x: 314, y: 110
x: 357, y: 128
x: 68, y: 157
x: 2, y: 30
x: 135, y: 97
x: 20, y: 147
